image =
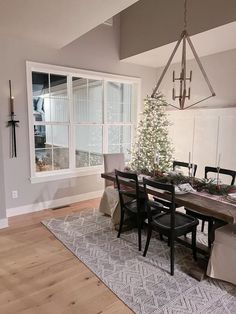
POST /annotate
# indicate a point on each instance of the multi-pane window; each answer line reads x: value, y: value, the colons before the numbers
x: 119, y: 100
x: 51, y: 121
x: 77, y: 117
x: 88, y: 119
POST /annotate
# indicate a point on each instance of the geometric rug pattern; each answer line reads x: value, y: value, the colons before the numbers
x: 142, y: 283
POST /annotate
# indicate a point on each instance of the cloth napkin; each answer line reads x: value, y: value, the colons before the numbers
x: 175, y: 172
x: 186, y: 187
x: 141, y: 176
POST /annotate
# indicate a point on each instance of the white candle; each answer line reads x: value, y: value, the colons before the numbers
x: 189, y: 159
x: 192, y: 166
x: 12, y: 104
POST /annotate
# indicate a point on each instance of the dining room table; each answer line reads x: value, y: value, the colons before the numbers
x: 218, y: 207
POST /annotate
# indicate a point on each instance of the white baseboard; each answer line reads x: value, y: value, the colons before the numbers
x: 3, y: 223
x: 31, y: 208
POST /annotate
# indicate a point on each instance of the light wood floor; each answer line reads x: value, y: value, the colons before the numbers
x: 39, y: 275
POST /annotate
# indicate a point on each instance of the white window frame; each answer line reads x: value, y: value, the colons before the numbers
x: 37, y: 177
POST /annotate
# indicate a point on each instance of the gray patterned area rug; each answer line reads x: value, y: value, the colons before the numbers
x: 144, y: 284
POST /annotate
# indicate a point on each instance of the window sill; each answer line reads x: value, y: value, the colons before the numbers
x: 54, y: 176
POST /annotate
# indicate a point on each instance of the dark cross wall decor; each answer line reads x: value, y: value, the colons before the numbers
x: 13, y: 124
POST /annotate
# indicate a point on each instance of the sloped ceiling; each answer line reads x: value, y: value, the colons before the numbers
x: 207, y: 43
x: 150, y: 24
x: 55, y: 23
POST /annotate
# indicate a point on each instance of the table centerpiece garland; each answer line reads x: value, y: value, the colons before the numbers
x: 200, y: 185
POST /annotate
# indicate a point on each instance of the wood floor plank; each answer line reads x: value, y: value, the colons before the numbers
x: 38, y: 275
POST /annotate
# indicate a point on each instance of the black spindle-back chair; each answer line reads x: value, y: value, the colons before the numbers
x: 185, y: 165
x: 227, y: 172
x: 168, y: 222
x: 131, y: 200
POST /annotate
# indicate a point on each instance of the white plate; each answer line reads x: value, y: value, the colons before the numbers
x: 181, y: 192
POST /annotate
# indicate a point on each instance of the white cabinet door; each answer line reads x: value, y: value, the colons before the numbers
x: 214, y: 134
x: 205, y: 142
x: 227, y: 142
x: 181, y: 133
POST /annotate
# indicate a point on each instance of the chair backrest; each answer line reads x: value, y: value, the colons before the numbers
x: 112, y: 162
x: 159, y: 203
x: 126, y: 192
x: 185, y: 165
x: 227, y: 172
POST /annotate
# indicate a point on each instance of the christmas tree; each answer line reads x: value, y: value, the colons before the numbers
x: 152, y: 149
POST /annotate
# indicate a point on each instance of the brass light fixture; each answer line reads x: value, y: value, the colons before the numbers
x: 184, y: 80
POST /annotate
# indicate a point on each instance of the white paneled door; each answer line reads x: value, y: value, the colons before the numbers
x: 226, y: 144
x: 206, y: 133
x: 205, y: 142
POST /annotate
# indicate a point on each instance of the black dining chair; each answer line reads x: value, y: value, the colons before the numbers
x: 185, y: 165
x: 132, y: 201
x: 227, y: 172
x: 168, y: 222
x: 206, y: 218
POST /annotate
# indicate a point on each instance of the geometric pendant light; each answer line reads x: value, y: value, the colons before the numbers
x: 184, y: 79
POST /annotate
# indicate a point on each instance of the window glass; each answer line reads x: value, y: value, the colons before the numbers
x: 50, y: 98
x: 88, y: 100
x: 60, y: 135
x: 43, y: 160
x: 40, y: 90
x: 119, y: 97
x: 119, y: 140
x: 59, y: 101
x: 88, y: 145
x: 51, y: 147
x: 58, y: 86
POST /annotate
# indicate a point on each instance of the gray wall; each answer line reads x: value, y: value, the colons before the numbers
x: 98, y: 50
x: 221, y: 70
x: 149, y: 24
x: 2, y: 186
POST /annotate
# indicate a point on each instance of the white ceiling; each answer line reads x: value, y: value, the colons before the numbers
x: 213, y: 41
x: 55, y: 23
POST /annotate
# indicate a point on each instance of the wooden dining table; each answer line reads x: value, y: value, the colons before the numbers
x: 224, y: 211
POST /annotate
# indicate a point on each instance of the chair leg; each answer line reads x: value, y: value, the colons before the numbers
x: 149, y: 234
x: 172, y: 255
x: 122, y: 214
x: 203, y: 224
x: 210, y: 229
x: 194, y: 246
x: 139, y: 232
x: 168, y: 241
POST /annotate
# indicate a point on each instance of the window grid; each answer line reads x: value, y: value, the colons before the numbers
x: 72, y: 124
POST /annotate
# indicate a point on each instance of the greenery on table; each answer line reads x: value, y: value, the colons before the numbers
x: 175, y: 179
x: 201, y: 185
x: 211, y: 187
x: 152, y: 137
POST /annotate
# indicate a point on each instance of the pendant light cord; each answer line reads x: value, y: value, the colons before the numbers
x: 185, y: 14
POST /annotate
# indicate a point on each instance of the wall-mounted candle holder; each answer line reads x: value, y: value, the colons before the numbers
x: 13, y: 124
